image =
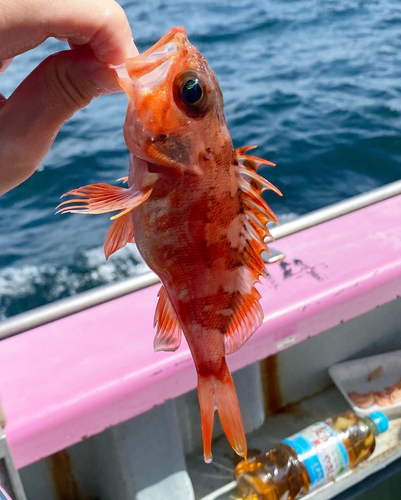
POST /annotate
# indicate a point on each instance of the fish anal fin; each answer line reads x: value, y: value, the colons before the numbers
x: 103, y: 198
x: 168, y: 335
x: 248, y: 318
x: 119, y: 234
x: 219, y: 389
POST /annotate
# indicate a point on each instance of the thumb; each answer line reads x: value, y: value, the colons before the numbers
x: 31, y: 118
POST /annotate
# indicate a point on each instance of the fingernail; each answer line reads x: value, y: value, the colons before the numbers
x: 133, y: 51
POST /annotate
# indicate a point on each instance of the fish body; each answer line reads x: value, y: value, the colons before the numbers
x: 194, y: 207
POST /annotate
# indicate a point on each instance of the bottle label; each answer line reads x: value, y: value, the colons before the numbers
x: 321, y: 450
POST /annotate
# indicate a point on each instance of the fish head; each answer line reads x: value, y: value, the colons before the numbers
x: 176, y: 110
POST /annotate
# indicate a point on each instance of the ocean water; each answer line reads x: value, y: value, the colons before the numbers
x: 317, y: 85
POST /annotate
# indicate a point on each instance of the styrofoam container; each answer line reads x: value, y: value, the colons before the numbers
x: 353, y: 375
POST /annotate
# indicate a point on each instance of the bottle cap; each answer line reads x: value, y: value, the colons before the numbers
x: 380, y: 420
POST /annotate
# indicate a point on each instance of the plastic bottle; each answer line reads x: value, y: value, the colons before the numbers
x: 310, y: 458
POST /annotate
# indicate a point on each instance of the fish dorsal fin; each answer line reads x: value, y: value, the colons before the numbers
x: 248, y: 314
x: 257, y: 212
x: 119, y: 234
x: 248, y: 317
x: 168, y: 335
x: 103, y: 198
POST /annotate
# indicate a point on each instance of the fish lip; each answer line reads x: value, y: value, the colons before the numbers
x: 167, y: 47
x: 141, y: 138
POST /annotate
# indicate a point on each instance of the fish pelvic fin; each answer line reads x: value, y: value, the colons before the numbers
x: 119, y: 234
x: 168, y: 335
x: 103, y: 198
x: 219, y: 390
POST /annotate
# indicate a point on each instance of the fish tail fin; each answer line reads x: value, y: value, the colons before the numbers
x: 220, y: 390
x: 206, y: 404
x: 226, y: 400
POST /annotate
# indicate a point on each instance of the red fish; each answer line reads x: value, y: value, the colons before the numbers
x: 195, y: 208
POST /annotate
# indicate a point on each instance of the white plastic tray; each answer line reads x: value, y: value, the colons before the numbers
x: 352, y: 376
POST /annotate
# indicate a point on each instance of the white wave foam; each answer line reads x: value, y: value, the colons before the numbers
x: 25, y: 287
x: 287, y: 217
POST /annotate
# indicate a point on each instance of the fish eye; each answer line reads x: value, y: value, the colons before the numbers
x: 192, y: 91
x: 191, y: 94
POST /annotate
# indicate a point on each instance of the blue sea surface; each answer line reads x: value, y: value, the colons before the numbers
x: 317, y: 85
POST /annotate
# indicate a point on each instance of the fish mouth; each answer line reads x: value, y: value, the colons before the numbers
x: 169, y: 151
x: 150, y: 68
x: 143, y: 143
x: 148, y: 82
x: 158, y: 55
x: 165, y: 150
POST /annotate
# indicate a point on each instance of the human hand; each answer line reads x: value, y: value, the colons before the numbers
x: 99, y: 34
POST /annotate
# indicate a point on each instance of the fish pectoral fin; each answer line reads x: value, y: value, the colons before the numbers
x: 248, y: 317
x: 168, y: 335
x: 119, y: 234
x: 103, y: 198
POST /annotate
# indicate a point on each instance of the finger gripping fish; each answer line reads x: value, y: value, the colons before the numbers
x: 194, y: 206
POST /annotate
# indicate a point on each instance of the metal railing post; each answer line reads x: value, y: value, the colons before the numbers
x: 10, y: 483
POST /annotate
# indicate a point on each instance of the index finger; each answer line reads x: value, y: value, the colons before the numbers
x: 102, y: 24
